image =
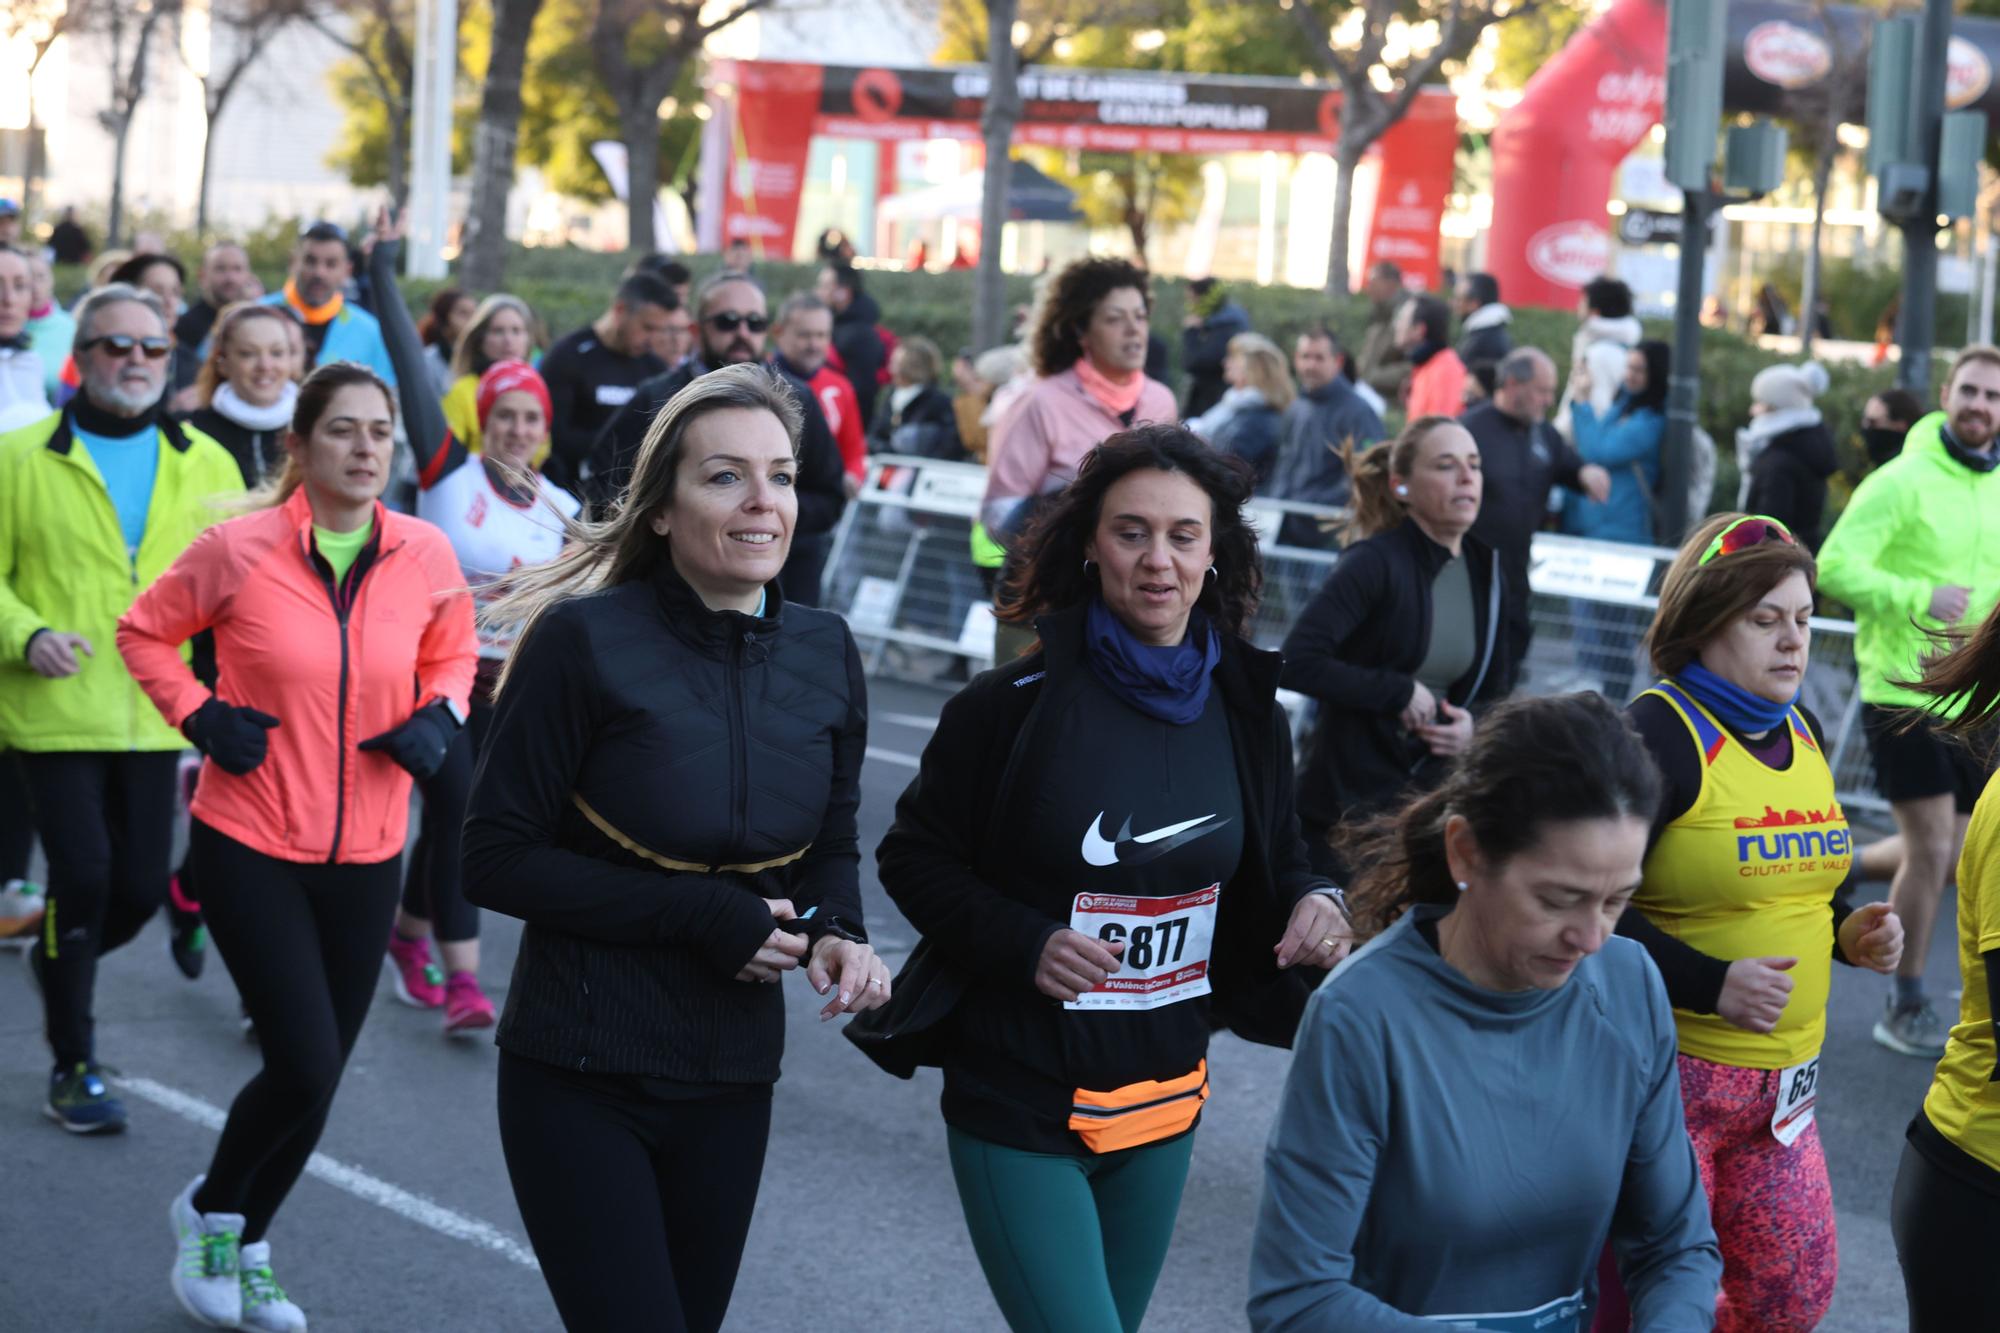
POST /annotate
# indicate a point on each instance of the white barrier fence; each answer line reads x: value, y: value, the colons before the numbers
x: 901, y: 571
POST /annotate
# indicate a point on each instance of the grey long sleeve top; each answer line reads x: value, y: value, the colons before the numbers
x: 1449, y: 1153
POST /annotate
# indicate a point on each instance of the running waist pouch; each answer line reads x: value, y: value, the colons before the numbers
x: 1138, y: 1113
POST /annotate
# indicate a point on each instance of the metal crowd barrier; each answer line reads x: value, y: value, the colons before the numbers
x: 901, y: 571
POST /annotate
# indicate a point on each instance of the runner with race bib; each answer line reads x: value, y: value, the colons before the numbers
x: 1740, y: 912
x: 1488, y: 1089
x: 1101, y: 854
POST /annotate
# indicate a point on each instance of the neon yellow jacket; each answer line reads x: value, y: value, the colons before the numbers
x: 64, y: 566
x: 1920, y: 522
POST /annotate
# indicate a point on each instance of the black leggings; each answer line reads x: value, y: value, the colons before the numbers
x: 303, y: 942
x: 1944, y: 1227
x: 637, y: 1205
x: 107, y: 827
x: 17, y: 824
x: 434, y: 888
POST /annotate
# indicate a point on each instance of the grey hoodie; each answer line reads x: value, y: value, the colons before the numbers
x: 1449, y: 1154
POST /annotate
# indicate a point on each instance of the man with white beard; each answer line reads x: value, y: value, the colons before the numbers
x: 95, y: 502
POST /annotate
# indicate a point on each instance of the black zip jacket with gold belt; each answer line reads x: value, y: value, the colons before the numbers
x: 654, y: 771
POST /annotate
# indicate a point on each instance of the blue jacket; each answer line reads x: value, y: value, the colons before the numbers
x: 1436, y: 1159
x: 1618, y: 441
x: 354, y: 335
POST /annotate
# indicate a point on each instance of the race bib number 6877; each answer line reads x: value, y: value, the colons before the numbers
x: 1167, y: 943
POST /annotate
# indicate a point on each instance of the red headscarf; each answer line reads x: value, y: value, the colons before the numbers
x: 512, y: 377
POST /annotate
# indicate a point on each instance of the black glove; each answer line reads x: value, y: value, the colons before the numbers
x: 233, y: 737
x: 421, y: 743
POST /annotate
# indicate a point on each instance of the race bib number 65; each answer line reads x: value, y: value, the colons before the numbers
x: 1167, y: 943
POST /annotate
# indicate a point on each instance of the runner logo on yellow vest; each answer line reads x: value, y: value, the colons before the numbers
x: 1793, y: 841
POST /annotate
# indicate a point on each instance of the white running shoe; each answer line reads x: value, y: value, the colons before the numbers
x: 21, y: 906
x: 264, y: 1305
x: 204, y: 1277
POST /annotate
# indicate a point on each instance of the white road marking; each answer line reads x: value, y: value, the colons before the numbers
x: 914, y: 721
x: 893, y: 757
x: 352, y: 1179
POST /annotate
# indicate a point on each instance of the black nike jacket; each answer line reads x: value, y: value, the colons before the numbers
x: 951, y: 863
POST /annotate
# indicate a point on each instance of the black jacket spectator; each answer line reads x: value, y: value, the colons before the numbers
x: 588, y: 383
x: 1787, y: 479
x: 862, y: 354
x: 1484, y: 337
x: 1520, y: 461
x: 1252, y: 435
x: 648, y: 755
x: 926, y: 426
x: 1202, y: 350
x: 1356, y: 649
x: 1308, y: 467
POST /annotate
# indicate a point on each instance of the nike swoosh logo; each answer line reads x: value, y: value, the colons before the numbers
x: 1137, y: 849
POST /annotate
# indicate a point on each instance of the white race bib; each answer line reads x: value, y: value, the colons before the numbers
x: 1167, y: 943
x: 1798, y: 1089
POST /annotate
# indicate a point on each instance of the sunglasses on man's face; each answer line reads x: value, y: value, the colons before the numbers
x: 729, y: 321
x: 124, y: 344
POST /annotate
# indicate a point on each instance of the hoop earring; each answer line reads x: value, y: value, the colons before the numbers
x: 1088, y: 565
x: 1211, y: 573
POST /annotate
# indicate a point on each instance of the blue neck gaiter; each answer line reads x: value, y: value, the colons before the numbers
x: 1732, y: 705
x: 1170, y: 683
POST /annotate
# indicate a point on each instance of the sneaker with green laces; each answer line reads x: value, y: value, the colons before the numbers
x: 81, y: 1102
x: 265, y: 1306
x: 205, y: 1278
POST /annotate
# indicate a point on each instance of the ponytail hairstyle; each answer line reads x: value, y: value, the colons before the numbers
x: 1533, y: 762
x: 623, y: 546
x: 315, y: 396
x: 1376, y: 508
x: 1963, y: 675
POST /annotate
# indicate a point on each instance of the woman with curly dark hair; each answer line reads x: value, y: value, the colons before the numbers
x: 1088, y: 347
x: 1100, y: 853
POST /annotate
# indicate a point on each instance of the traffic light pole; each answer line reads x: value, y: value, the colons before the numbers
x: 1917, y: 320
x: 1684, y: 376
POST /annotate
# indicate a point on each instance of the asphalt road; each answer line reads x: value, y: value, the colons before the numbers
x: 406, y: 1219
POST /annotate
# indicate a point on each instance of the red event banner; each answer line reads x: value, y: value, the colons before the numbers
x: 765, y: 115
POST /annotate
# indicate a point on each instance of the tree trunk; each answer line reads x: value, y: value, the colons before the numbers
x: 996, y: 125
x: 640, y: 126
x: 1809, y: 284
x: 114, y: 230
x: 201, y: 191
x: 31, y: 175
x: 1346, y: 157
x: 396, y: 157
x: 484, y: 262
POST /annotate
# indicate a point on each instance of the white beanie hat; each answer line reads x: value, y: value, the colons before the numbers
x: 1784, y: 388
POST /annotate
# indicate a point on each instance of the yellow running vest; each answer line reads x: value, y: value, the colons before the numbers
x: 1964, y: 1102
x: 1749, y: 872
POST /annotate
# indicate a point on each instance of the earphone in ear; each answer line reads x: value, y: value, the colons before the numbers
x: 1402, y: 492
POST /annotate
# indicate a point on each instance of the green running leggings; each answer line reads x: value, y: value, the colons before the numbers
x: 1070, y: 1244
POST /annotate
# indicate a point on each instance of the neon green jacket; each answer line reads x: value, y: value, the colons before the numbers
x: 1920, y: 522
x: 64, y: 566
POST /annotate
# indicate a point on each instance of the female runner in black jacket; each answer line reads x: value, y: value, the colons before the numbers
x: 1407, y: 637
x: 1100, y: 850
x: 667, y: 797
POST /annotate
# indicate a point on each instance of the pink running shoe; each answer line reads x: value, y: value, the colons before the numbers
x: 419, y: 981
x: 466, y: 1008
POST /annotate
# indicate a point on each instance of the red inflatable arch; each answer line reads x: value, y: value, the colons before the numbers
x: 1555, y: 152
